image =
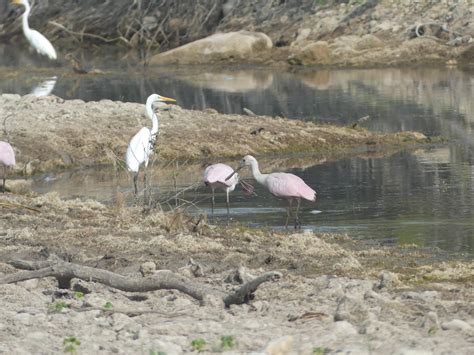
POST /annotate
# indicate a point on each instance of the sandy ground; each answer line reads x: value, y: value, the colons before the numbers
x: 50, y: 133
x: 335, y: 296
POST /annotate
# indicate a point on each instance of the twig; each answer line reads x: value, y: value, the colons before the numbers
x: 90, y: 35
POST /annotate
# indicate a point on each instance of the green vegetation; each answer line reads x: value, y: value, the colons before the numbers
x: 198, y: 344
x: 60, y: 305
x: 319, y: 351
x: 79, y: 295
x: 227, y: 341
x: 70, y: 344
x: 108, y: 305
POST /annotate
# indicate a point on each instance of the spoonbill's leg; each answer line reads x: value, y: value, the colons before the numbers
x: 290, y: 201
x: 213, y: 202
x: 297, y: 220
x: 227, y: 203
x: 4, y: 177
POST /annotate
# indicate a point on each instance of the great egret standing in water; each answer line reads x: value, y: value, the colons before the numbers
x: 7, y: 159
x: 141, y: 145
x: 39, y: 42
x: 283, y: 185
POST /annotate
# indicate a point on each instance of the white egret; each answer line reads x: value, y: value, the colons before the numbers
x: 141, y: 145
x: 39, y: 42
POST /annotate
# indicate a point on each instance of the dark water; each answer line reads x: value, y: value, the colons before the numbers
x: 424, y: 197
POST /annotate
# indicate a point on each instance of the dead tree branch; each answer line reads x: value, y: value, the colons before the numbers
x: 64, y: 272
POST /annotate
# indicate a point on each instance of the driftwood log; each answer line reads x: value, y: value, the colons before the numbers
x: 64, y: 272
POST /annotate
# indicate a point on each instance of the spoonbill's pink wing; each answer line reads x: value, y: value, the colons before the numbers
x: 7, y: 155
x: 289, y: 185
x: 218, y: 173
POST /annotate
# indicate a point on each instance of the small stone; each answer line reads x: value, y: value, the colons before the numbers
x: 388, y: 280
x: 148, y: 268
x: 344, y: 328
x: 281, y: 346
x: 456, y: 324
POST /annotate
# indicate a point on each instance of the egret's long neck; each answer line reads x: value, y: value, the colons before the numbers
x: 24, y: 19
x: 153, y: 117
x: 257, y: 174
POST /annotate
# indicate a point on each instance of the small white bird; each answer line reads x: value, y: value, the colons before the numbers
x: 141, y: 145
x: 39, y: 42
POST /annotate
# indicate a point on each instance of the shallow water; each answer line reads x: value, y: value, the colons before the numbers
x: 424, y: 197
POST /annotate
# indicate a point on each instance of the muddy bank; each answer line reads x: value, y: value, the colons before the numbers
x: 336, y: 295
x: 303, y: 32
x: 49, y: 133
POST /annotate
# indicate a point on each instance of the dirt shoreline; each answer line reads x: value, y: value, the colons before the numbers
x: 336, y: 295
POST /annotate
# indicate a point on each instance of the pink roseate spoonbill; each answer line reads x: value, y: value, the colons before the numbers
x: 7, y: 159
x: 39, y: 42
x: 215, y: 176
x: 142, y: 144
x: 283, y: 185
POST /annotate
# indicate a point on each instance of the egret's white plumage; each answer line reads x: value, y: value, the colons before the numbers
x: 7, y: 159
x: 39, y: 42
x: 141, y: 145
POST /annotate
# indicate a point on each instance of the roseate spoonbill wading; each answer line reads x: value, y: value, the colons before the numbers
x: 283, y: 185
x: 39, y: 42
x: 7, y: 159
x: 215, y: 176
x: 142, y: 144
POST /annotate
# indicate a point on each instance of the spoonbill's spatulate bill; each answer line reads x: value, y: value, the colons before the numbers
x: 284, y: 185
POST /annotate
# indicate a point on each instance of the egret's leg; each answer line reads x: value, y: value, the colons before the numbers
x: 146, y: 193
x: 290, y: 201
x: 227, y: 203
x: 297, y: 220
x: 213, y: 202
x: 135, y: 178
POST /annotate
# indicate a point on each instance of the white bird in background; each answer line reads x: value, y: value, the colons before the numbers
x: 141, y: 145
x: 39, y: 42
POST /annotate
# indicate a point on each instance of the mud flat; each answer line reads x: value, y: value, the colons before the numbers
x: 51, y: 133
x: 334, y: 296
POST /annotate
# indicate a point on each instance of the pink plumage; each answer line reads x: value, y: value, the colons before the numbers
x: 215, y: 175
x: 7, y: 155
x: 287, y: 185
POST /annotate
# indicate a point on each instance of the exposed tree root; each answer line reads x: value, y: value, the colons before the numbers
x: 64, y: 272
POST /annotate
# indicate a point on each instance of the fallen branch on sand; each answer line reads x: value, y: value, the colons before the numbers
x: 64, y: 272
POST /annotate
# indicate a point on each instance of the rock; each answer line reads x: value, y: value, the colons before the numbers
x: 344, y: 329
x: 94, y: 300
x: 219, y: 47
x: 148, y: 268
x: 456, y: 324
x: 29, y: 284
x: 81, y: 286
x: 368, y: 42
x: 18, y: 186
x: 351, y: 309
x: 281, y: 346
x: 388, y: 280
x: 317, y: 53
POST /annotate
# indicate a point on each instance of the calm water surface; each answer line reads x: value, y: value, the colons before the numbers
x: 424, y: 197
